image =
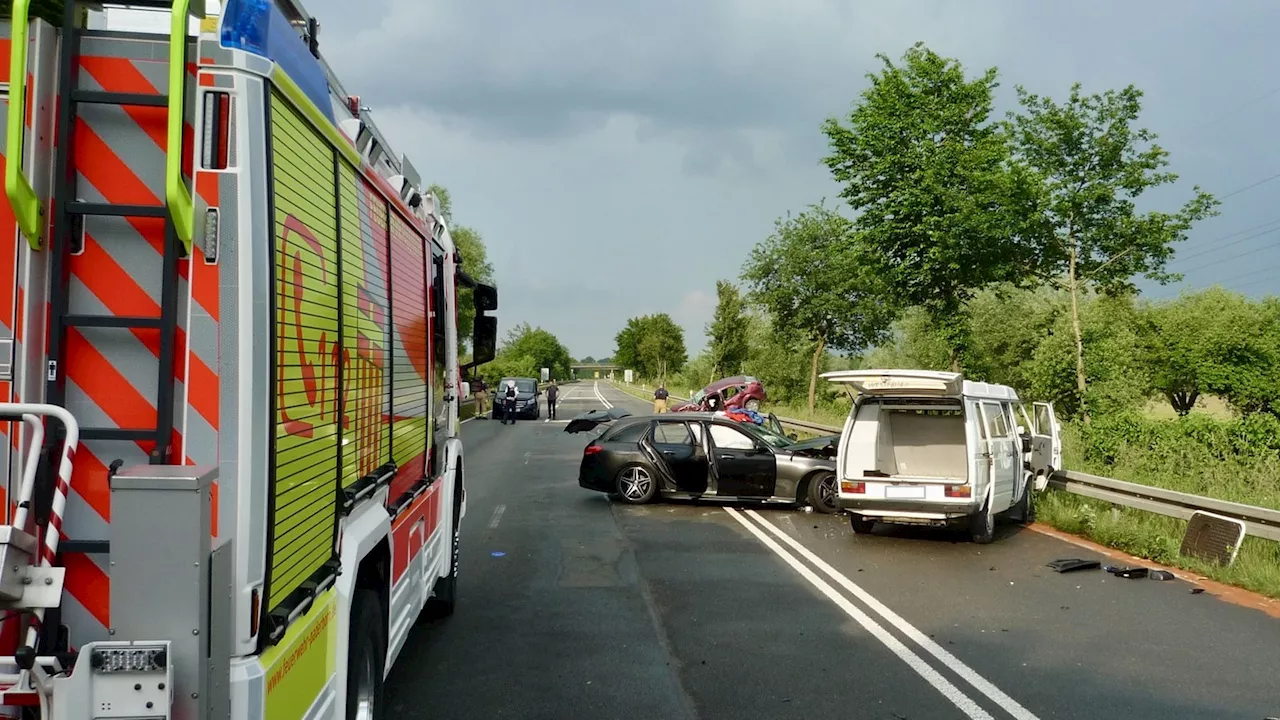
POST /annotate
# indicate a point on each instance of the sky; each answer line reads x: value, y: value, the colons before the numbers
x: 620, y: 157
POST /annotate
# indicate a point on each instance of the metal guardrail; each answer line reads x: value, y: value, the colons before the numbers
x: 1260, y: 522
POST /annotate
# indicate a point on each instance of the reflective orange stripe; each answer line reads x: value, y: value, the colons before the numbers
x: 86, y: 581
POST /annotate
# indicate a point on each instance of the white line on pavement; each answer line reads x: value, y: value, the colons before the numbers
x: 497, y: 516
x: 607, y: 405
x: 896, y: 646
x: 971, y: 676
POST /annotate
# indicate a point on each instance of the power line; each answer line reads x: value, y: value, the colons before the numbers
x: 1216, y: 247
x: 1250, y: 186
x: 1230, y: 112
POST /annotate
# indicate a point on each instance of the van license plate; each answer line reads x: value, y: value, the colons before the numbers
x: 904, y: 492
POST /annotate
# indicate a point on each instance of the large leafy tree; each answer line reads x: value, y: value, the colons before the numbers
x: 540, y: 346
x: 652, y: 345
x: 1213, y: 341
x: 1093, y: 163
x: 727, y: 331
x: 930, y: 175
x: 475, y: 260
x: 808, y: 278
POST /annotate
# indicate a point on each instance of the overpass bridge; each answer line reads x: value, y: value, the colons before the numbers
x: 593, y: 370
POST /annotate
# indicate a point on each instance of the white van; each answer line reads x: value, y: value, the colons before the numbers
x: 925, y: 447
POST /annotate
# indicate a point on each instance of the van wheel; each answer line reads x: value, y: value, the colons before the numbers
x: 365, y: 658
x: 861, y: 524
x: 823, y: 493
x: 1025, y: 510
x: 982, y: 525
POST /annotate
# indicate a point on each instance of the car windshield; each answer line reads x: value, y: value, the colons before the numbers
x: 770, y: 438
x: 524, y: 385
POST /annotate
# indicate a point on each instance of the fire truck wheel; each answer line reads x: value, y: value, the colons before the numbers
x: 445, y: 596
x: 365, y: 658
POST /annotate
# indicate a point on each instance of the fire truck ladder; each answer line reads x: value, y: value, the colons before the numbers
x: 69, y: 214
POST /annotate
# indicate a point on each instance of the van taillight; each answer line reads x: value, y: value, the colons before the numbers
x: 959, y: 491
x: 592, y: 449
x: 216, y: 138
x: 853, y: 488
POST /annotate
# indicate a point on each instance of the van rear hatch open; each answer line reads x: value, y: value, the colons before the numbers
x: 895, y: 440
x: 900, y: 383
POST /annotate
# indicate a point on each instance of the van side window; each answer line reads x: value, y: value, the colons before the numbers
x: 1043, y: 426
x: 982, y: 424
x: 995, y: 416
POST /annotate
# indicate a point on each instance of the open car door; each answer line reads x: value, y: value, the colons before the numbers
x: 1046, y: 444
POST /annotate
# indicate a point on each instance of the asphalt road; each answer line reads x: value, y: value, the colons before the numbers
x: 572, y: 606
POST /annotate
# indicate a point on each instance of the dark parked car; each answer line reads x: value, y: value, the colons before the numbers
x: 702, y: 455
x: 526, y: 398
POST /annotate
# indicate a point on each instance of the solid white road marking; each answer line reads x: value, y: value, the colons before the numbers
x: 896, y: 646
x: 980, y: 683
x: 607, y: 405
x: 497, y: 516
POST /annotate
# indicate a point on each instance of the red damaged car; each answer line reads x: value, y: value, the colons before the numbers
x: 740, y: 392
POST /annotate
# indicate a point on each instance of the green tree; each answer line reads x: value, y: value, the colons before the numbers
x: 541, y: 346
x: 727, y: 331
x: 930, y: 175
x: 814, y: 288
x: 1092, y: 164
x: 444, y: 202
x: 652, y: 345
x: 1119, y: 377
x: 1212, y: 341
x: 475, y: 262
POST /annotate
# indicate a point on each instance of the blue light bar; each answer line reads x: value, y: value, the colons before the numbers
x: 258, y: 26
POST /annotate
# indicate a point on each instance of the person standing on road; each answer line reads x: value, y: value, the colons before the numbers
x: 509, y: 403
x: 481, y: 391
x: 553, y: 392
x: 660, y: 399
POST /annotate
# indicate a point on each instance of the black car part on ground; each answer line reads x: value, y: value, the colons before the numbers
x: 594, y: 418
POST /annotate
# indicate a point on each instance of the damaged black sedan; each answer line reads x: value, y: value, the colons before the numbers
x: 694, y: 455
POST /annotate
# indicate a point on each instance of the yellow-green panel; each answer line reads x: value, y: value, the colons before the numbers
x: 299, y: 666
x: 306, y: 353
x: 365, y: 327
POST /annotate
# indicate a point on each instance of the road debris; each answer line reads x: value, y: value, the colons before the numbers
x: 1161, y: 575
x: 1073, y: 564
x: 1132, y: 573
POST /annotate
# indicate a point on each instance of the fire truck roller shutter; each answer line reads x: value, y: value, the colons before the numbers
x: 303, y: 497
x: 410, y: 361
x: 366, y: 333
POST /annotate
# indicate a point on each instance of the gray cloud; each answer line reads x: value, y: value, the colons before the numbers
x: 636, y: 150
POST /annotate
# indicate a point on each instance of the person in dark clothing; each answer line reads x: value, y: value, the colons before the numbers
x: 509, y: 403
x: 553, y: 392
x: 660, y: 399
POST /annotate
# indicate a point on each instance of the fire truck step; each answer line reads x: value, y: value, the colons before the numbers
x: 99, y: 97
x: 84, y: 547
x: 112, y: 321
x: 102, y: 433
x: 111, y: 210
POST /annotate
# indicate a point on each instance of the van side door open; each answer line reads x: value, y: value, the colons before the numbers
x: 1005, y: 453
x: 1046, y: 444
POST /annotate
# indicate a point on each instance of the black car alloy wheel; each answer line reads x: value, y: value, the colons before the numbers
x: 636, y: 484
